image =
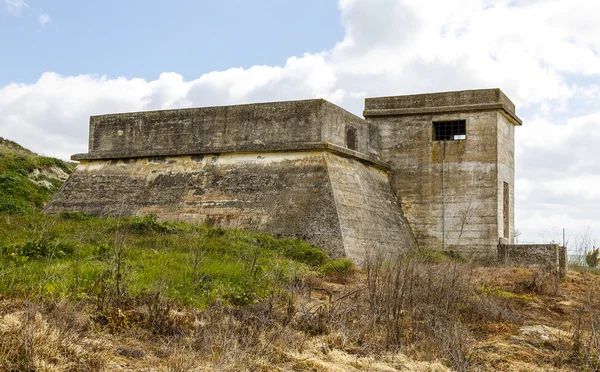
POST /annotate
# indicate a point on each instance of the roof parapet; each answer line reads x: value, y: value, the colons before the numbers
x: 445, y: 102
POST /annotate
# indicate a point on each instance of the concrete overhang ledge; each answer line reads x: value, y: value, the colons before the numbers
x: 301, y: 147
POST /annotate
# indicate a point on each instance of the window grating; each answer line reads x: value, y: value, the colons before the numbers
x: 449, y: 130
x: 351, y: 137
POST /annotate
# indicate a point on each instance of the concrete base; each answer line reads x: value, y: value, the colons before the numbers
x: 340, y: 204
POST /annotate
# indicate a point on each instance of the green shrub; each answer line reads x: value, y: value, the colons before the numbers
x: 215, y: 232
x: 101, y: 250
x: 147, y: 225
x: 39, y: 248
x: 431, y: 256
x: 294, y: 249
x: 341, y: 267
x: 592, y: 257
x: 77, y: 216
x: 241, y: 297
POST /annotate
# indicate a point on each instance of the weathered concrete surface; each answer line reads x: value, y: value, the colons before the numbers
x: 475, y: 169
x: 506, y: 173
x: 444, y: 102
x: 287, y: 194
x: 551, y: 257
x: 274, y: 126
x: 370, y: 216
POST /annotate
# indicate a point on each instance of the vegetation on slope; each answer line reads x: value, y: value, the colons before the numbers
x: 80, y: 257
x: 85, y: 293
x: 27, y: 181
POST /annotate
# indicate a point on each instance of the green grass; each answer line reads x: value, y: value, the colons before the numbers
x: 18, y: 193
x: 341, y: 267
x: 76, y: 256
x: 495, y: 292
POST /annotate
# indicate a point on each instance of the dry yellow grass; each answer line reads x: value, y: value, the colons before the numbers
x: 537, y: 333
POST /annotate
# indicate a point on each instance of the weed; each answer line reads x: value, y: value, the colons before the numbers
x: 585, y: 351
x: 541, y: 282
x: 294, y: 249
x: 78, y: 216
x: 148, y: 225
x: 591, y: 258
x: 342, y: 267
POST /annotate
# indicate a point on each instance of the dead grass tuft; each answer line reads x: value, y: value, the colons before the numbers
x: 47, y: 339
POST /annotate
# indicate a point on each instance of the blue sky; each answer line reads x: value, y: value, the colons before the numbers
x: 62, y: 61
x: 145, y: 38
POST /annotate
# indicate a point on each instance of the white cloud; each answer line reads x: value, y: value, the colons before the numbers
x: 44, y: 18
x: 15, y: 6
x: 543, y: 59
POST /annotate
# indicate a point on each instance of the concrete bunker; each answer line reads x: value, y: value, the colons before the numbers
x: 434, y: 171
x: 305, y: 169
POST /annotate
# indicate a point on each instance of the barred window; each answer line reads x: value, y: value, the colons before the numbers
x: 449, y: 130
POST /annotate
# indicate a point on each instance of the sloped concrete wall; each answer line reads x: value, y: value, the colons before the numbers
x: 370, y: 215
x: 285, y: 194
x: 333, y: 202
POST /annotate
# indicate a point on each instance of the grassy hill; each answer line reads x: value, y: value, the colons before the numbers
x: 27, y: 181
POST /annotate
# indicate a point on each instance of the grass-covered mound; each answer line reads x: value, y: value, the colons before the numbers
x: 27, y: 181
x: 82, y: 257
x: 76, y: 256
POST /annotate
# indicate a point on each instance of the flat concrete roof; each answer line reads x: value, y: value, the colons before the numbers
x: 444, y: 102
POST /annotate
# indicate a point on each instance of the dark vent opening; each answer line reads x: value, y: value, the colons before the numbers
x: 449, y: 130
x: 351, y: 137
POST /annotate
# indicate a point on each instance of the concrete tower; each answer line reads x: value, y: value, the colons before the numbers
x: 451, y: 156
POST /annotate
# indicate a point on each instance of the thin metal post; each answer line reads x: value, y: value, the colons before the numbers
x: 444, y: 197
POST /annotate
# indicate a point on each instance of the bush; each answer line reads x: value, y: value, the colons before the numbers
x: 39, y: 248
x: 591, y: 259
x: 294, y: 249
x: 341, y: 267
x: 147, y: 225
x: 101, y: 250
x: 76, y: 216
x: 299, y: 251
x: 420, y: 302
